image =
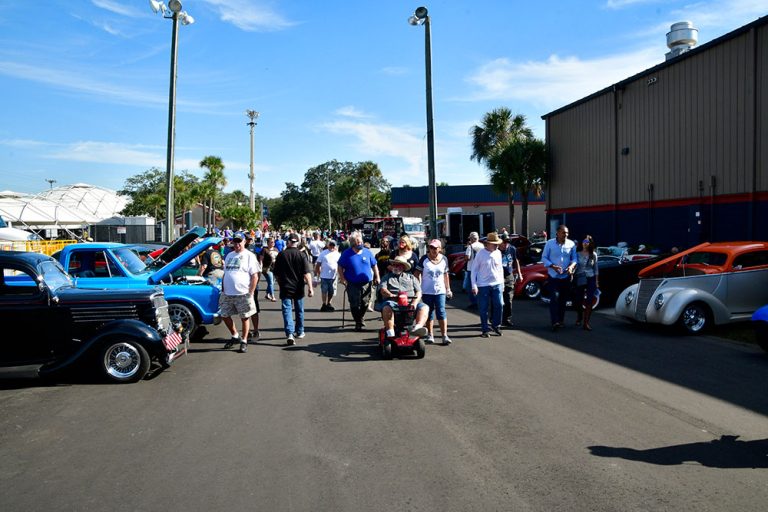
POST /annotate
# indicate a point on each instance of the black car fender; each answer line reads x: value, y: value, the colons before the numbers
x: 149, y: 338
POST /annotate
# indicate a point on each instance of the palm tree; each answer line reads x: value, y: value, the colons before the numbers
x: 367, y: 172
x: 498, y: 131
x: 213, y: 181
x: 527, y: 159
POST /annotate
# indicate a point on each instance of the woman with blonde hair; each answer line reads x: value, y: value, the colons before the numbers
x: 405, y: 249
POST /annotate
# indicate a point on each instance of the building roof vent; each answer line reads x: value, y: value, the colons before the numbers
x: 681, y: 37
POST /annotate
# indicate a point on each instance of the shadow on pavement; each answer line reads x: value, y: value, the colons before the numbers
x: 726, y: 452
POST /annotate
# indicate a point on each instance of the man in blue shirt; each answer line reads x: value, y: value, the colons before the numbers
x: 357, y: 269
x: 559, y: 256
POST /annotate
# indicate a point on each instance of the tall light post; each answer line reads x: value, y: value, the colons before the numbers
x: 173, y: 12
x: 420, y: 17
x: 328, y: 196
x: 253, y: 116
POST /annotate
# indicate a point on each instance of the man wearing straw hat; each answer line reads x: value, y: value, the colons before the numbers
x: 488, y: 284
x: 400, y: 280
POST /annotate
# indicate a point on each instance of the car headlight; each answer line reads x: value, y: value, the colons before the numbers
x: 629, y: 298
x: 658, y: 302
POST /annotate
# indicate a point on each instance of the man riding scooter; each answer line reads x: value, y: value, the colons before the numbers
x: 392, y: 284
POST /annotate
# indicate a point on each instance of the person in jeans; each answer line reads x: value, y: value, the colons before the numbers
x: 488, y: 284
x: 586, y: 280
x: 512, y: 273
x: 358, y: 270
x: 399, y: 279
x: 473, y: 247
x: 293, y: 270
x: 268, y: 255
x: 241, y: 269
x: 559, y: 257
x: 435, y: 288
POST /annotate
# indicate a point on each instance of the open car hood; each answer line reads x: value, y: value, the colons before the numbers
x: 183, y: 259
x: 667, y: 264
x: 177, y: 247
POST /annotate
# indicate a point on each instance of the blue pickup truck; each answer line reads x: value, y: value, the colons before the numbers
x: 112, y: 265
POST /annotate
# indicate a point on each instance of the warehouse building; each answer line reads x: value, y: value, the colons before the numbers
x: 414, y: 202
x: 673, y: 156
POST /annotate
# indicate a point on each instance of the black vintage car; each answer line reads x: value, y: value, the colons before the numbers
x: 49, y: 323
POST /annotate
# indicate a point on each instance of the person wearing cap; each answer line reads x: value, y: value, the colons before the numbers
x: 358, y: 271
x: 293, y: 270
x: 473, y: 247
x: 488, y: 284
x: 432, y: 269
x: 326, y: 268
x: 399, y: 279
x: 241, y: 275
x: 512, y: 273
x: 559, y: 257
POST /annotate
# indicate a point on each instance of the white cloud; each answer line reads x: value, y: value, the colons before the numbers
x: 249, y: 15
x: 720, y: 16
x: 117, y: 8
x: 620, y: 4
x: 394, y: 70
x: 110, y: 153
x: 557, y: 81
x: 351, y: 111
x: 382, y: 140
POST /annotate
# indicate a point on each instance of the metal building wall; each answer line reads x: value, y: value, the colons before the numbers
x: 687, y: 154
x: 581, y: 148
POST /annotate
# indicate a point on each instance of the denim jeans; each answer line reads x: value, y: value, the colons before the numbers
x: 559, y: 293
x: 287, y: 308
x: 467, y: 285
x: 487, y: 296
x: 270, y: 277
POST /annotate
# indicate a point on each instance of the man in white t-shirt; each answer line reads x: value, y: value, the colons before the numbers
x: 241, y: 276
x: 316, y: 246
x: 326, y: 268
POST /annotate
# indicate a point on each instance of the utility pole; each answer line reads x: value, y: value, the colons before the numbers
x: 51, y: 182
x: 253, y: 116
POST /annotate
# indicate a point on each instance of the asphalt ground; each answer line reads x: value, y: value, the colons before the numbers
x: 622, y: 418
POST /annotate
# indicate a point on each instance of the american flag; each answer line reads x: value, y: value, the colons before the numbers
x: 172, y: 341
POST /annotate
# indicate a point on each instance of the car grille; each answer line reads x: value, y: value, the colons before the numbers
x: 161, y: 311
x: 102, y: 314
x: 644, y: 295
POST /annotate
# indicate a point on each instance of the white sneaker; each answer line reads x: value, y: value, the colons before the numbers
x: 419, y: 331
x: 300, y: 335
x: 291, y: 340
x: 446, y: 340
x: 429, y: 339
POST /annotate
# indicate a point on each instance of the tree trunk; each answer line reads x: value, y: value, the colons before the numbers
x: 511, y: 198
x: 524, y: 208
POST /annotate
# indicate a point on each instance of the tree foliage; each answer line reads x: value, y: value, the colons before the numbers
x: 515, y: 159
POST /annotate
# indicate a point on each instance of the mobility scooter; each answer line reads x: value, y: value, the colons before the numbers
x: 403, y: 341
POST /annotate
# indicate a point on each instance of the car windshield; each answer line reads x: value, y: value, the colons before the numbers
x: 130, y: 260
x: 54, y: 276
x: 705, y: 258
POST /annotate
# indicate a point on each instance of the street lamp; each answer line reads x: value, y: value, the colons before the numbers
x: 328, y: 196
x: 420, y: 17
x: 253, y: 116
x: 173, y: 12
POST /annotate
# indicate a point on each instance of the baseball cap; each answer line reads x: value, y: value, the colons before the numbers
x: 237, y: 238
x: 293, y: 237
x: 436, y: 243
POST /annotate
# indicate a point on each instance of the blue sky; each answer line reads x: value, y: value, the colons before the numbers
x: 84, y: 83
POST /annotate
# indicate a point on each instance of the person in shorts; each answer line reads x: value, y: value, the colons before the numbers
x: 432, y: 269
x: 240, y: 279
x: 327, y: 267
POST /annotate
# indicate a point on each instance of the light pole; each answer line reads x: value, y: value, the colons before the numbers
x: 253, y: 116
x: 328, y: 196
x: 51, y: 182
x: 420, y: 17
x: 173, y: 12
